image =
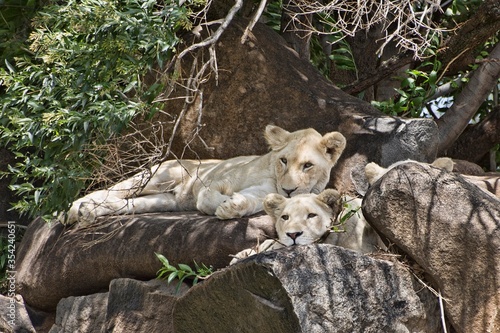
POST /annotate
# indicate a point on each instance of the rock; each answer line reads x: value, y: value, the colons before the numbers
x: 14, y: 318
x: 84, y: 314
x: 313, y: 288
x: 136, y: 306
x: 55, y: 263
x: 451, y: 229
x: 129, y: 306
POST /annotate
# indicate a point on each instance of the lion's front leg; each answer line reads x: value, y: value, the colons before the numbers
x: 238, y: 205
x: 267, y: 245
x: 209, y: 199
x: 243, y: 203
x: 246, y: 202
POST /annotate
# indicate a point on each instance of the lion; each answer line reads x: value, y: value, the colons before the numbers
x: 487, y: 183
x: 374, y: 172
x: 298, y: 162
x: 312, y: 218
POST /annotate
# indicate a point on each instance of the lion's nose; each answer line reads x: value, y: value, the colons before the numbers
x: 294, y: 235
x: 288, y: 192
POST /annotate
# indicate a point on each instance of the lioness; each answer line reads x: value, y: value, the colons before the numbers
x: 309, y: 218
x: 298, y: 162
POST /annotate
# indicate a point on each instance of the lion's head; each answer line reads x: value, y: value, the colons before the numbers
x: 303, y: 159
x: 305, y: 218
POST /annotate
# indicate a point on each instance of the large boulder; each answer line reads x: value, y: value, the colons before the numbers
x: 315, y: 288
x: 309, y: 289
x: 54, y: 262
x: 451, y: 228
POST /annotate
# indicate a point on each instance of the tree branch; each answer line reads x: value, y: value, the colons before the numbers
x: 484, y: 24
x: 465, y: 106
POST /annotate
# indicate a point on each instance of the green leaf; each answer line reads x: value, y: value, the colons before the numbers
x: 172, y: 277
x: 9, y: 66
x: 186, y: 268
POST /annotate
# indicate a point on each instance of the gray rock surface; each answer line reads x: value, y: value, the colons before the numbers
x: 54, y: 263
x: 14, y: 317
x: 451, y: 229
x: 83, y: 314
x: 309, y: 289
x: 136, y: 306
x: 129, y: 306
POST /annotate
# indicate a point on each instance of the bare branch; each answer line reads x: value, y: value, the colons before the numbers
x: 410, y: 30
x: 254, y: 20
x: 216, y: 35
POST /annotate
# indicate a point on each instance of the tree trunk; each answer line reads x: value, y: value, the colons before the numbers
x: 482, y: 137
x: 455, y: 120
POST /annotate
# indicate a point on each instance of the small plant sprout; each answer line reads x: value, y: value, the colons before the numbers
x: 170, y: 273
x: 346, y: 213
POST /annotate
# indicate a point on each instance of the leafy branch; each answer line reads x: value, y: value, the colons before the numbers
x: 182, y: 272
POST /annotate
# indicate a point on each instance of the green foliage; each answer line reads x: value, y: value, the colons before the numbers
x: 346, y: 213
x: 416, y: 87
x: 341, y: 55
x: 9, y: 239
x: 170, y: 273
x: 81, y: 86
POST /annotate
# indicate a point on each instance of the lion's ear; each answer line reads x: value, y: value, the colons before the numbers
x: 374, y: 172
x: 276, y: 137
x: 273, y: 203
x: 334, y: 142
x: 444, y: 163
x: 332, y: 199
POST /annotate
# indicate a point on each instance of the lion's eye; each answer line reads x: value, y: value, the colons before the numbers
x: 284, y: 217
x: 311, y: 215
x: 283, y: 160
x: 307, y: 165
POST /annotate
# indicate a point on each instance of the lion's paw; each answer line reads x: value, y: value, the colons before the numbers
x: 242, y: 255
x: 236, y: 206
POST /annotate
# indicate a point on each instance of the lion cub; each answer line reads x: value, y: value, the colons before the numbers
x: 309, y: 218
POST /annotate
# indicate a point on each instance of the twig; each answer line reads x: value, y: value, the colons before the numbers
x: 215, y: 37
x: 441, y: 309
x: 408, y: 29
x: 254, y: 20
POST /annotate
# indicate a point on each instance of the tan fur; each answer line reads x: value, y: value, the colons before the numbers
x: 374, y: 172
x: 306, y: 218
x: 299, y: 162
x: 488, y: 183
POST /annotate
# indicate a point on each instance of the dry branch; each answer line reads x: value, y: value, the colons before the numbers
x: 409, y: 29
